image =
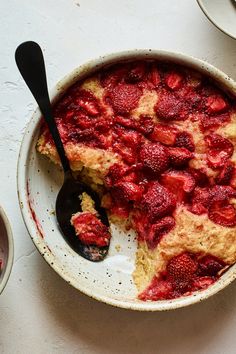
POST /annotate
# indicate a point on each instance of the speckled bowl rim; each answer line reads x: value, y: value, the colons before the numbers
x: 30, y: 130
x: 10, y: 256
x: 210, y: 18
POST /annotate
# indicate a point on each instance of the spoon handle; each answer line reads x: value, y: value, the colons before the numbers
x: 30, y: 62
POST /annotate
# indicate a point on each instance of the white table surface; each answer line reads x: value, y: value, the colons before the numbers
x: 39, y: 312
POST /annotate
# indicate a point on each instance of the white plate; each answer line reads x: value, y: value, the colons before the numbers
x: 222, y: 13
x: 39, y: 180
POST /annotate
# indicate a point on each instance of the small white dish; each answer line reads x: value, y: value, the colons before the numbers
x: 39, y: 180
x: 6, y: 249
x: 222, y: 13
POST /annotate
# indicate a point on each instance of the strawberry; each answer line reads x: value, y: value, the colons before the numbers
x: 125, y: 121
x: 159, y: 229
x: 174, y: 80
x: 216, y: 104
x: 200, y: 177
x: 179, y: 156
x: 155, y: 76
x: 200, y: 200
x: 124, y: 97
x: 222, y: 213
x: 157, y: 202
x: 169, y: 107
x: 90, y: 230
x: 178, y: 183
x: 221, y: 193
x: 88, y: 102
x: 185, y: 140
x: 213, y: 122
x: 111, y: 77
x: 136, y: 73
x: 145, y: 125
x: 210, y: 265
x: 154, y: 157
x: 159, y: 289
x: 115, y: 173
x: 219, y: 150
x: 181, y: 270
x: 200, y: 283
x: 225, y: 175
x: 126, y: 191
x: 164, y: 134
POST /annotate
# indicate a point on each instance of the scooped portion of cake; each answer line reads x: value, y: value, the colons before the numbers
x: 157, y: 140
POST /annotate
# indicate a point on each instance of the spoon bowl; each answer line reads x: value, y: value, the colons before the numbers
x: 30, y: 62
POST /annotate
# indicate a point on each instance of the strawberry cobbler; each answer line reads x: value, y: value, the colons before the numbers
x: 157, y: 141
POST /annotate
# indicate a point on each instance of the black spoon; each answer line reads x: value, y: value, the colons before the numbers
x: 30, y: 62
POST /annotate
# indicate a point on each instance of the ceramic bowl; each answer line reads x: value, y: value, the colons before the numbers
x: 39, y: 180
x: 6, y: 249
x: 222, y: 13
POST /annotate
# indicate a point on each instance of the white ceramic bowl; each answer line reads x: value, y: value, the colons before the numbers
x: 6, y: 249
x: 222, y: 13
x: 39, y: 180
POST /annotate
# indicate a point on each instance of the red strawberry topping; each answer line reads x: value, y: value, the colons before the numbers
x: 157, y: 201
x: 185, y: 140
x: 124, y: 97
x: 219, y: 150
x: 158, y: 290
x: 178, y: 183
x: 90, y: 230
x: 154, y: 157
x: 179, y: 157
x: 174, y: 80
x: 165, y: 134
x: 215, y: 104
x: 222, y: 213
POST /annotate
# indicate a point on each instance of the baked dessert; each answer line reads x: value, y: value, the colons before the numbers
x: 157, y: 140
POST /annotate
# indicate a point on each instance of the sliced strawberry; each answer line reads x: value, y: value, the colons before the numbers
x: 213, y: 122
x: 185, y: 140
x: 116, y: 172
x: 181, y: 270
x: 124, y: 97
x: 219, y: 150
x: 157, y: 201
x: 221, y: 193
x: 159, y: 229
x: 90, y: 230
x: 174, y: 80
x: 165, y: 134
x: 145, y: 125
x: 178, y: 183
x: 210, y: 265
x: 155, y: 76
x: 216, y: 104
x: 158, y: 290
x: 88, y: 102
x: 136, y: 73
x: 200, y: 201
x: 179, y: 156
x: 200, y: 177
x: 222, y: 213
x: 169, y: 107
x: 225, y: 175
x: 154, y: 157
x: 128, y: 154
x: 200, y: 283
x: 111, y: 77
x: 125, y: 121
x: 126, y: 191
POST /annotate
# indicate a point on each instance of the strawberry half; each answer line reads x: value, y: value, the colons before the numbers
x: 222, y: 213
x: 200, y: 201
x: 126, y: 191
x: 174, y: 80
x: 185, y: 140
x: 169, y: 107
x: 159, y: 229
x: 178, y: 183
x: 210, y: 265
x: 157, y: 202
x: 124, y: 97
x: 225, y: 175
x: 179, y: 156
x: 164, y: 134
x: 216, y: 104
x: 219, y: 150
x: 154, y: 157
